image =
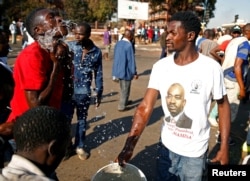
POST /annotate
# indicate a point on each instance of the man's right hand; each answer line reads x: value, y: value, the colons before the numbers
x: 124, y: 156
x: 136, y: 77
x: 127, y: 150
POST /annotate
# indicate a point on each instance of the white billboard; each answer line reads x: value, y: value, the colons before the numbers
x: 132, y: 10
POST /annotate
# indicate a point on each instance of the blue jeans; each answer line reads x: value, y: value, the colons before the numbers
x: 125, y: 92
x: 173, y: 167
x: 81, y: 102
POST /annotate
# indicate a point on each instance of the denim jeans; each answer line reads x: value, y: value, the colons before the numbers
x: 125, y: 92
x: 173, y: 167
x: 81, y: 102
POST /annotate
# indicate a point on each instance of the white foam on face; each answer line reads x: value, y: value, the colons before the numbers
x: 46, y: 41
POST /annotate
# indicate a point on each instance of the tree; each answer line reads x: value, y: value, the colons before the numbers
x: 76, y: 10
x: 187, y: 5
x: 97, y: 10
x: 90, y: 10
x: 101, y: 10
x: 15, y: 9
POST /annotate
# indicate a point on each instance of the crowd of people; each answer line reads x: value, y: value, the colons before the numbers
x: 231, y: 50
x: 52, y: 78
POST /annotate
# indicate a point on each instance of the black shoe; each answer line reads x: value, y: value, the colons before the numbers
x: 231, y: 142
x: 129, y: 102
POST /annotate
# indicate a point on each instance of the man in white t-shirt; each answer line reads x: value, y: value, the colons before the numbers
x: 182, y: 152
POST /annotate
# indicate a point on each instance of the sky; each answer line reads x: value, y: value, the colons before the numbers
x: 227, y: 9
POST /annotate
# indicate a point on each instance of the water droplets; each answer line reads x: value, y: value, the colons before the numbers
x: 100, y: 114
x: 111, y: 92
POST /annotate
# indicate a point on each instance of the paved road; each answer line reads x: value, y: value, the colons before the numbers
x: 108, y: 128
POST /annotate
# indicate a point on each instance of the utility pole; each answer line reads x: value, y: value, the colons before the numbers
x: 205, y: 12
x: 236, y: 17
x: 1, y: 23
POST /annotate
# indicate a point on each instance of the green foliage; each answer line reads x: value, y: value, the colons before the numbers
x: 76, y: 10
x: 156, y: 2
x: 211, y: 7
x: 90, y: 10
x: 102, y: 10
x: 15, y: 9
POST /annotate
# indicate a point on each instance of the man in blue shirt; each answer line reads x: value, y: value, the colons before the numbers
x: 124, y: 67
x: 87, y: 63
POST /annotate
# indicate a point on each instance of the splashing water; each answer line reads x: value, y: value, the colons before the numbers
x: 46, y: 41
x: 111, y: 92
x: 114, y: 172
x: 99, y: 113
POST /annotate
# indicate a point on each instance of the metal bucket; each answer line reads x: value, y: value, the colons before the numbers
x: 114, y: 172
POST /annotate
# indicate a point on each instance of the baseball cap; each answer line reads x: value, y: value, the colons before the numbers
x: 236, y: 29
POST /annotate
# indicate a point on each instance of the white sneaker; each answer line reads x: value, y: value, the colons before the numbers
x: 82, y: 154
x: 213, y: 122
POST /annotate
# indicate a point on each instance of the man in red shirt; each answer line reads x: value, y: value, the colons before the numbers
x: 37, y: 73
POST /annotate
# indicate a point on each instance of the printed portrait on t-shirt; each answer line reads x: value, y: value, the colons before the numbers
x: 176, y: 101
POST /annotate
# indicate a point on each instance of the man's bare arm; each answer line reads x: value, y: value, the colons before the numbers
x: 140, y: 120
x: 214, y: 53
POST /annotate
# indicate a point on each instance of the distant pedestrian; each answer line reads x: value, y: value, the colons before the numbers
x: 144, y: 36
x: 150, y: 34
x: 208, y: 44
x: 115, y: 34
x: 124, y: 67
x: 156, y: 34
x: 107, y: 42
x: 24, y: 37
x: 218, y: 52
x: 202, y: 37
x: 163, y: 37
x: 13, y: 31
